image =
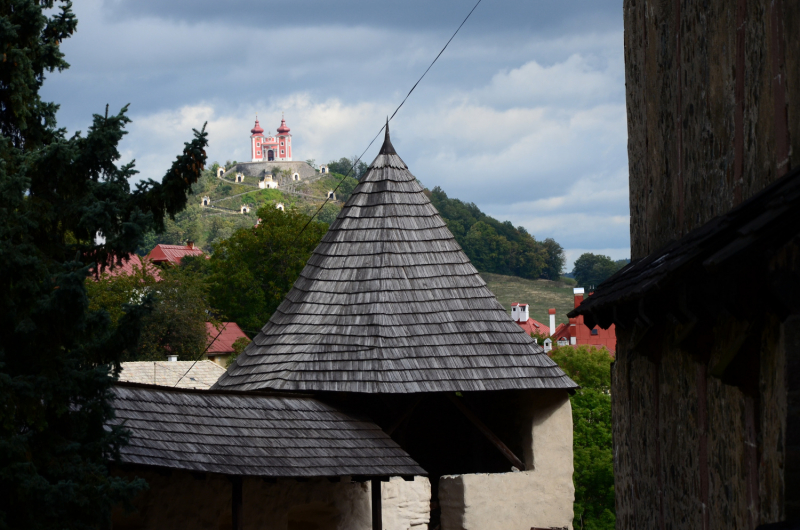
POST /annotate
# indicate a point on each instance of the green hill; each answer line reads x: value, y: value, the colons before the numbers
x: 541, y: 295
x: 207, y: 225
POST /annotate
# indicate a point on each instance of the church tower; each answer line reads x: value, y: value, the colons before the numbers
x: 257, y: 142
x: 284, y: 142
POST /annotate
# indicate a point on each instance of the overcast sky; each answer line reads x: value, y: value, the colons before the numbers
x: 524, y: 114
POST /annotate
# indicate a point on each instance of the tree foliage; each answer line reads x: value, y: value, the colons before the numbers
x: 592, y: 442
x: 349, y: 167
x: 591, y: 270
x: 252, y: 271
x: 177, y: 323
x: 57, y: 357
x: 498, y: 247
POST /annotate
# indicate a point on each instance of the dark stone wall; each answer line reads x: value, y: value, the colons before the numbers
x: 693, y: 451
x: 713, y: 102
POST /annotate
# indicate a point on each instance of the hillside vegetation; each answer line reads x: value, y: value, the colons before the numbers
x: 208, y: 226
x: 495, y: 246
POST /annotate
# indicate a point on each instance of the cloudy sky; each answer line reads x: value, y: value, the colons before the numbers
x: 524, y: 114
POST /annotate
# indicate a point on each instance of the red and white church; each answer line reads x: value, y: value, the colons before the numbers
x: 271, y: 148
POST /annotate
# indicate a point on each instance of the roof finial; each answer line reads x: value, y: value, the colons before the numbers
x: 387, y: 148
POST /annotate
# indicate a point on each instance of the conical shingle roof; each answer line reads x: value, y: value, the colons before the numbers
x: 389, y: 303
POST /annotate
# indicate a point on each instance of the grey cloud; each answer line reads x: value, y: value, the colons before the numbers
x: 538, y: 84
x: 549, y: 16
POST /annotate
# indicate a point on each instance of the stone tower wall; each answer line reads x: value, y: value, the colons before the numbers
x: 713, y: 102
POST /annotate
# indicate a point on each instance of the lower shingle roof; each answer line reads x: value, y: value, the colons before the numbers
x: 252, y: 435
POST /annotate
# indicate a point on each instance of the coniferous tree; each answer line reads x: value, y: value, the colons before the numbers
x: 58, y: 358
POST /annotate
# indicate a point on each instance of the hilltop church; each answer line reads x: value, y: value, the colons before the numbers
x: 271, y: 148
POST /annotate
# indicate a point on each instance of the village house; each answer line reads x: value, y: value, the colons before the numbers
x: 173, y: 253
x: 520, y: 313
x: 705, y: 387
x: 575, y: 333
x: 222, y: 338
x: 382, y: 322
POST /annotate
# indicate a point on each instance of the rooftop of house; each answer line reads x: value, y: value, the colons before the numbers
x: 389, y: 303
x: 129, y: 265
x: 534, y: 326
x: 173, y: 253
x: 180, y: 374
x: 242, y: 434
x: 223, y: 337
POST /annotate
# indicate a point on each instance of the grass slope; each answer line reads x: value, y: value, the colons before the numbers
x: 540, y: 294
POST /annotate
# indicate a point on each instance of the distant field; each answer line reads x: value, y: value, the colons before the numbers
x: 540, y: 294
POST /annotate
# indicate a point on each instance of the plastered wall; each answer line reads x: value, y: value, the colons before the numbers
x: 180, y: 499
x: 541, y: 496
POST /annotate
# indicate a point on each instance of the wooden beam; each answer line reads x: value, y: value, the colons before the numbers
x: 404, y: 416
x: 508, y: 453
x: 236, y: 503
x: 377, y: 514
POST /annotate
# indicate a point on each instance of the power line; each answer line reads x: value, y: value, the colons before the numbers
x: 201, y: 354
x: 391, y: 117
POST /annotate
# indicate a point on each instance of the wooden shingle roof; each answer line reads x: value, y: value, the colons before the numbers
x: 728, y: 249
x: 389, y: 303
x: 252, y: 435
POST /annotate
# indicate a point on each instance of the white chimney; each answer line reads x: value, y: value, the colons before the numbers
x: 523, y: 312
x: 552, y: 320
x: 172, y: 358
x: 515, y: 311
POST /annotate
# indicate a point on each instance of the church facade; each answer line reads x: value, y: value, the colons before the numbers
x: 271, y: 148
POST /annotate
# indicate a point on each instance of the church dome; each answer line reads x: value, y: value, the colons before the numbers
x: 257, y: 129
x: 283, y: 129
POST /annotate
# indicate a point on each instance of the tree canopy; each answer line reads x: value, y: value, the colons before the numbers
x: 590, y: 270
x: 57, y: 357
x: 349, y: 167
x: 498, y: 247
x: 177, y: 323
x: 252, y: 271
x: 592, y: 441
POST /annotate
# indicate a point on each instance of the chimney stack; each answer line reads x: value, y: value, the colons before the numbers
x: 573, y: 325
x: 578, y: 291
x: 190, y: 244
x: 172, y: 358
x: 552, y: 321
x: 520, y: 312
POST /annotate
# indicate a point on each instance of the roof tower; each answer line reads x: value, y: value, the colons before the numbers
x: 389, y: 303
x: 283, y: 129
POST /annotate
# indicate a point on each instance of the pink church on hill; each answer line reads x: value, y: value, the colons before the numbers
x: 271, y: 148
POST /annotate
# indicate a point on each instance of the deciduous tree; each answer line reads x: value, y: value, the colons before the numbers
x: 590, y: 270
x: 252, y: 271
x: 177, y: 323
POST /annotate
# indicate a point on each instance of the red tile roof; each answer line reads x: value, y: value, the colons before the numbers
x: 134, y: 261
x: 230, y: 331
x: 173, y: 253
x: 531, y: 326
